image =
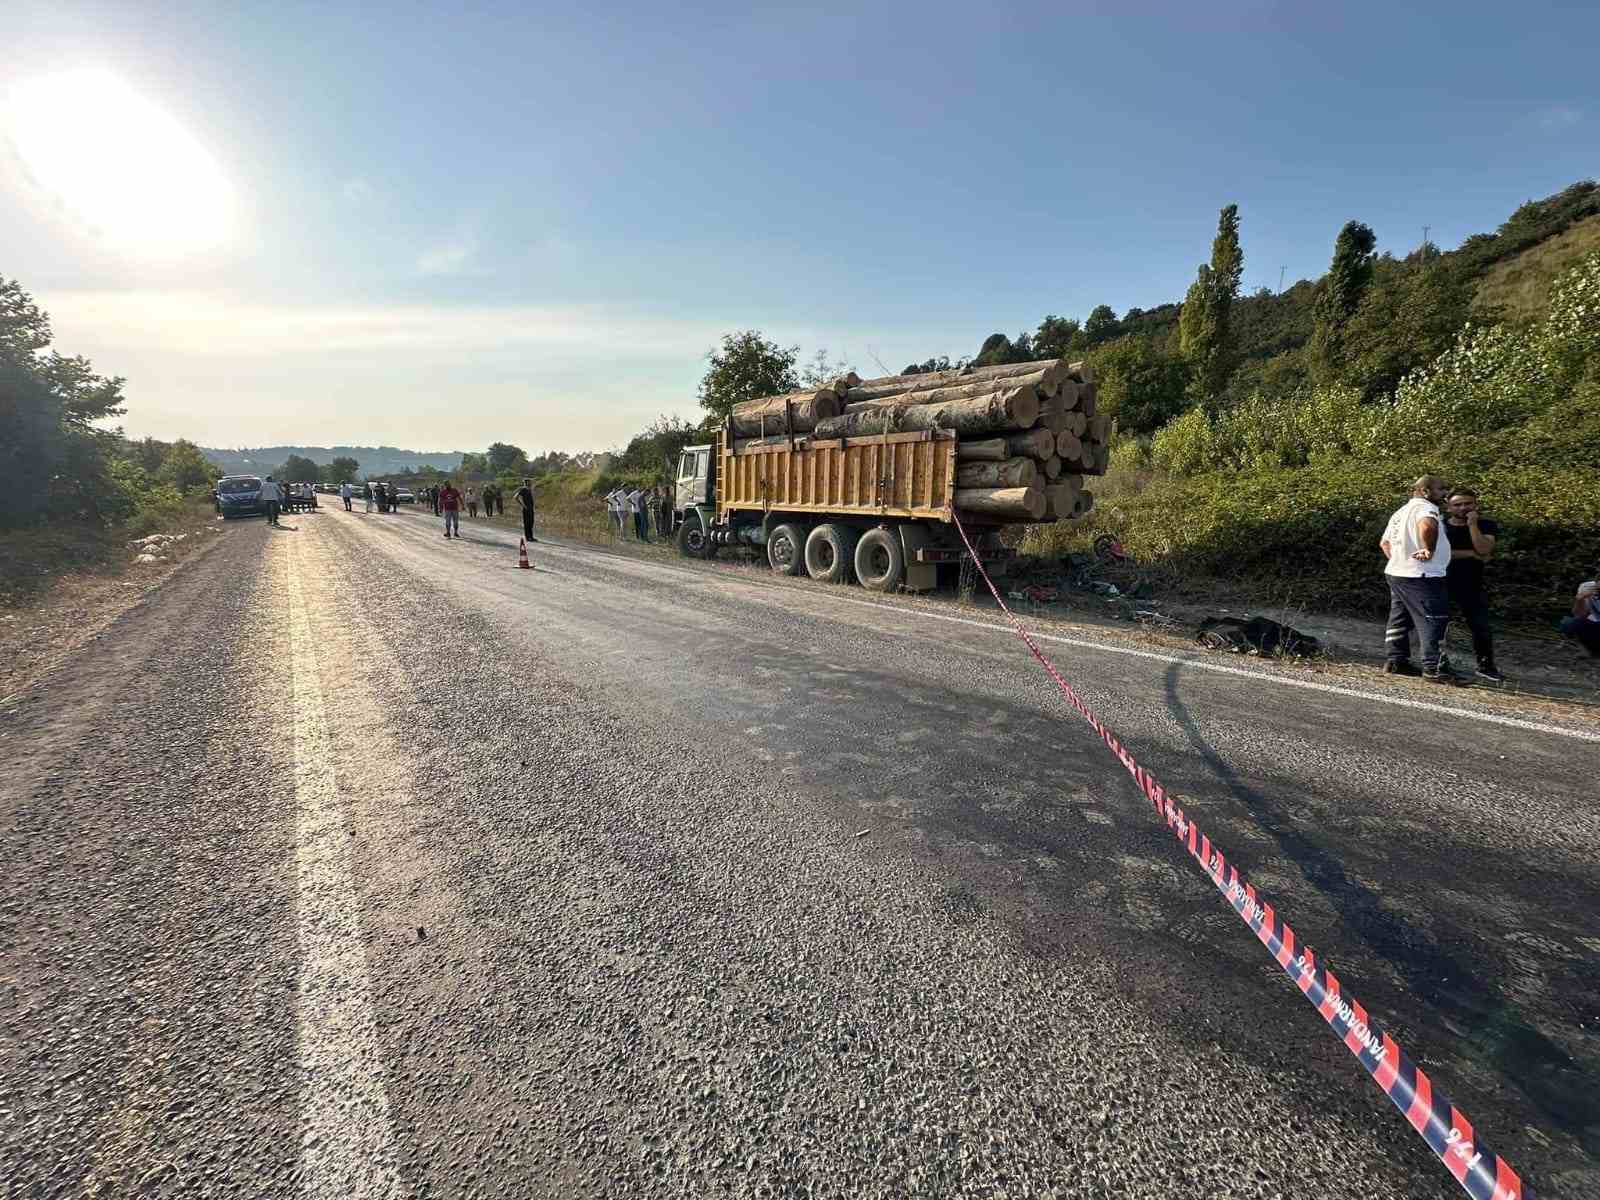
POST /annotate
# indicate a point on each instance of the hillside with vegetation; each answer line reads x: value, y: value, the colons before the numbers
x: 1278, y: 467
x: 374, y: 460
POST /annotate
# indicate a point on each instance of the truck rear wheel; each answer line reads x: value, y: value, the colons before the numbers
x: 880, y: 560
x: 786, y: 549
x: 830, y: 553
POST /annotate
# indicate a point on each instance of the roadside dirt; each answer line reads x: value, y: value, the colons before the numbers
x: 44, y: 629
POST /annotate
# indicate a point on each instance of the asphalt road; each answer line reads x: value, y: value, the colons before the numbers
x: 357, y: 862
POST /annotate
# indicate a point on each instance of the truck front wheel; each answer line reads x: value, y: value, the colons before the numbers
x: 786, y: 549
x: 692, y: 540
x: 830, y: 551
x: 880, y: 560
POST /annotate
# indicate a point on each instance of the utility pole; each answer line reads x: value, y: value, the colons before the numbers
x: 1425, y: 229
x: 1281, y: 270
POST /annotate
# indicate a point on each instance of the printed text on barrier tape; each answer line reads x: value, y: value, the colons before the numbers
x: 1444, y: 1127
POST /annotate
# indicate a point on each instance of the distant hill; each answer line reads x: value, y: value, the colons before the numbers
x: 374, y: 460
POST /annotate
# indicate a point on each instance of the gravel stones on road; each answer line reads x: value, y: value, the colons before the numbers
x: 651, y: 967
x: 672, y: 976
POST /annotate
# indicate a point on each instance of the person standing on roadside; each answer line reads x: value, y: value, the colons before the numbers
x: 366, y: 490
x: 450, y: 506
x: 525, y: 504
x: 642, y: 515
x: 346, y: 492
x: 613, y: 499
x: 663, y: 512
x: 1472, y: 538
x: 472, y: 503
x: 1418, y: 551
x: 271, y: 499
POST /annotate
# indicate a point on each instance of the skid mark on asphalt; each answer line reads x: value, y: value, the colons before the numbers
x: 348, y: 1145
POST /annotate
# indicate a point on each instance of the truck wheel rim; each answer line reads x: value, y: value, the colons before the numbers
x: 824, y: 557
x: 783, y: 552
x: 878, y: 562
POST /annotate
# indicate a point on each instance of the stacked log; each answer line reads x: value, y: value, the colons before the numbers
x: 796, y: 412
x: 996, y: 410
x: 1027, y: 433
x: 1025, y: 502
x: 1013, y: 472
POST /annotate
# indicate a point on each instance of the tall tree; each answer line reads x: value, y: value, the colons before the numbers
x: 185, y: 468
x: 1338, y: 298
x: 821, y: 370
x: 998, y: 350
x: 340, y: 469
x: 506, y: 459
x: 1059, y: 337
x: 52, y: 455
x: 1204, y: 331
x: 297, y: 469
x: 746, y: 367
x: 1101, y: 326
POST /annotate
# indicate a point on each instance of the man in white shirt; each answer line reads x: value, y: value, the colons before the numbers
x: 1418, y: 551
x: 641, y: 525
x: 345, y: 492
x: 614, y: 509
x: 271, y: 499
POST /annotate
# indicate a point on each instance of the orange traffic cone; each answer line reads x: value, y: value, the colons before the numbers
x: 522, y: 560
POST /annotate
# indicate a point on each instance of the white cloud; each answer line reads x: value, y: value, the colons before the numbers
x: 448, y: 258
x: 1558, y: 118
x: 357, y: 191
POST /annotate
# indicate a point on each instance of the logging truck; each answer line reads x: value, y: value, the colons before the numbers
x: 874, y: 509
x: 863, y: 479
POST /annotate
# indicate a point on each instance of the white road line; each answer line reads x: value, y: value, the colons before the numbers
x: 1260, y: 676
x: 1109, y: 648
x: 347, y: 1146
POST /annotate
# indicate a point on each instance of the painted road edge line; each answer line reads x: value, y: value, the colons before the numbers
x: 1582, y: 735
x: 1444, y: 1127
x: 347, y: 1146
x: 1332, y: 689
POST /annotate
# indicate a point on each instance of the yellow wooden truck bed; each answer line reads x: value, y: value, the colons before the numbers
x: 892, y: 475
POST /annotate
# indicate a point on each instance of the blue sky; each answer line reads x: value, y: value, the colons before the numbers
x: 452, y: 224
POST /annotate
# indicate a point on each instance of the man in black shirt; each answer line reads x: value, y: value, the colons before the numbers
x: 1472, y: 538
x: 525, y: 500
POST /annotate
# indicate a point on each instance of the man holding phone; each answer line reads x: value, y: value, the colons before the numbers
x: 1419, y: 557
x: 1472, y: 538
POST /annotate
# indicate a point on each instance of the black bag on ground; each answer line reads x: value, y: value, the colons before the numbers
x: 1258, y: 635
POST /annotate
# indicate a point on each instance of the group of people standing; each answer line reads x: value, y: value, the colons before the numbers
x: 384, y: 495
x: 636, y: 506
x: 1437, y: 558
x: 491, y: 499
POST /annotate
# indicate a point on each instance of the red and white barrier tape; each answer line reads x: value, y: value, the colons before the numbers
x: 1445, y: 1128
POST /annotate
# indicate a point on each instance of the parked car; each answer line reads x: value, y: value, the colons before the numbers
x: 239, y: 496
x: 405, y: 497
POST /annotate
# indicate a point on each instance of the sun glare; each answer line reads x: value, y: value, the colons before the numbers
x: 118, y: 167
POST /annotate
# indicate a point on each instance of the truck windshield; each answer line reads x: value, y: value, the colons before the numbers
x: 229, y: 487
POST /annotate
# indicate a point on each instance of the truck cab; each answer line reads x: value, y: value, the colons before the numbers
x: 694, y: 500
x: 696, y: 483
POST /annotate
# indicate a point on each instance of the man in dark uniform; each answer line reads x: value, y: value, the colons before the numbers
x: 1472, y: 538
x: 525, y: 502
